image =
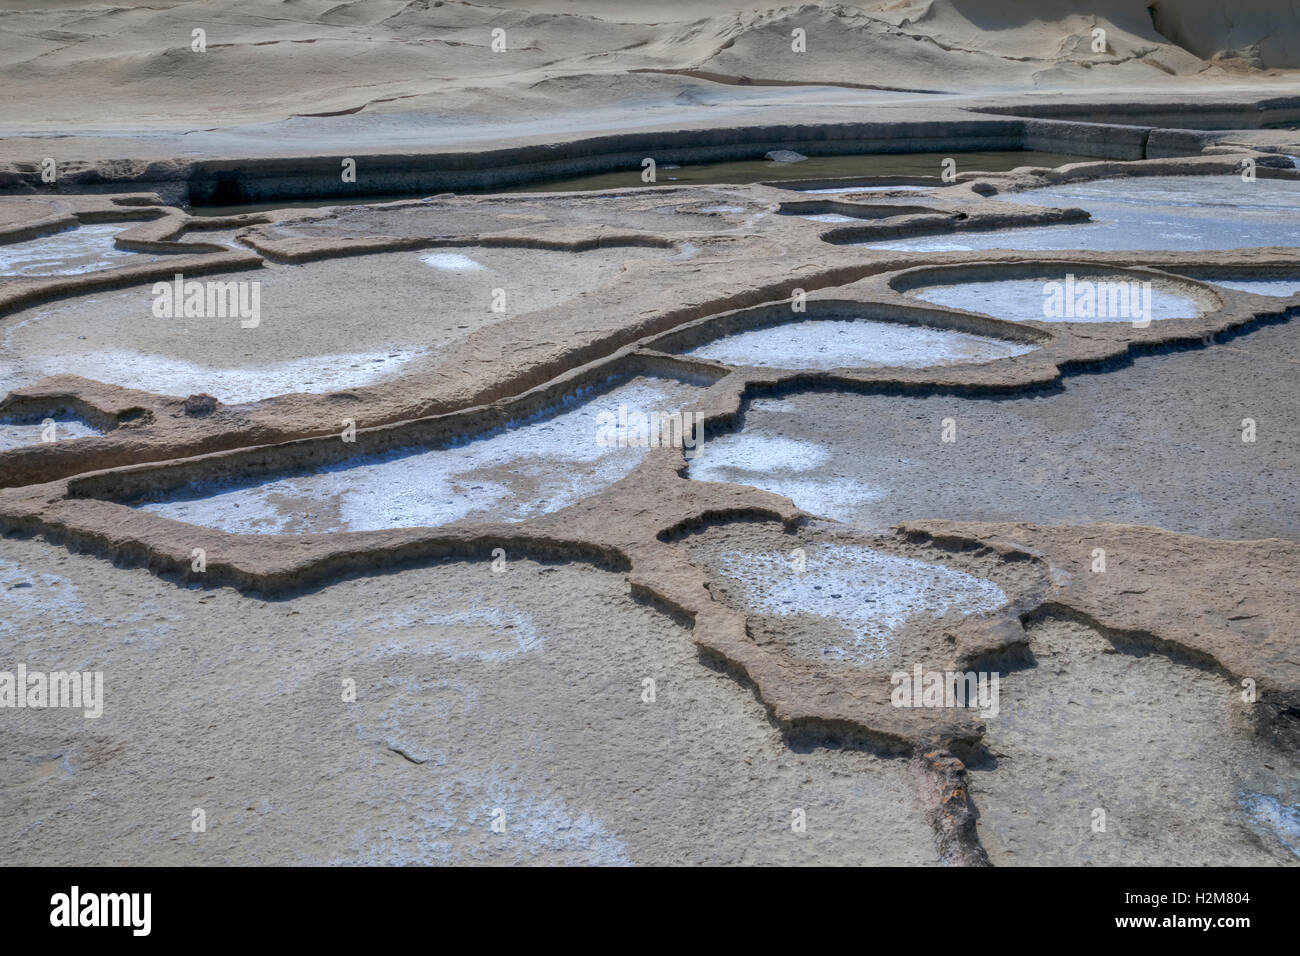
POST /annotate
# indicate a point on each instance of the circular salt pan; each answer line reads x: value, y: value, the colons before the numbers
x: 848, y: 343
x: 1086, y: 299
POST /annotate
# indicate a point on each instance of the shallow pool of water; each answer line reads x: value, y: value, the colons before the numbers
x: 1086, y: 299
x: 866, y: 189
x: 738, y: 172
x: 852, y: 343
x: 533, y: 467
x: 1148, y: 212
x: 866, y: 166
